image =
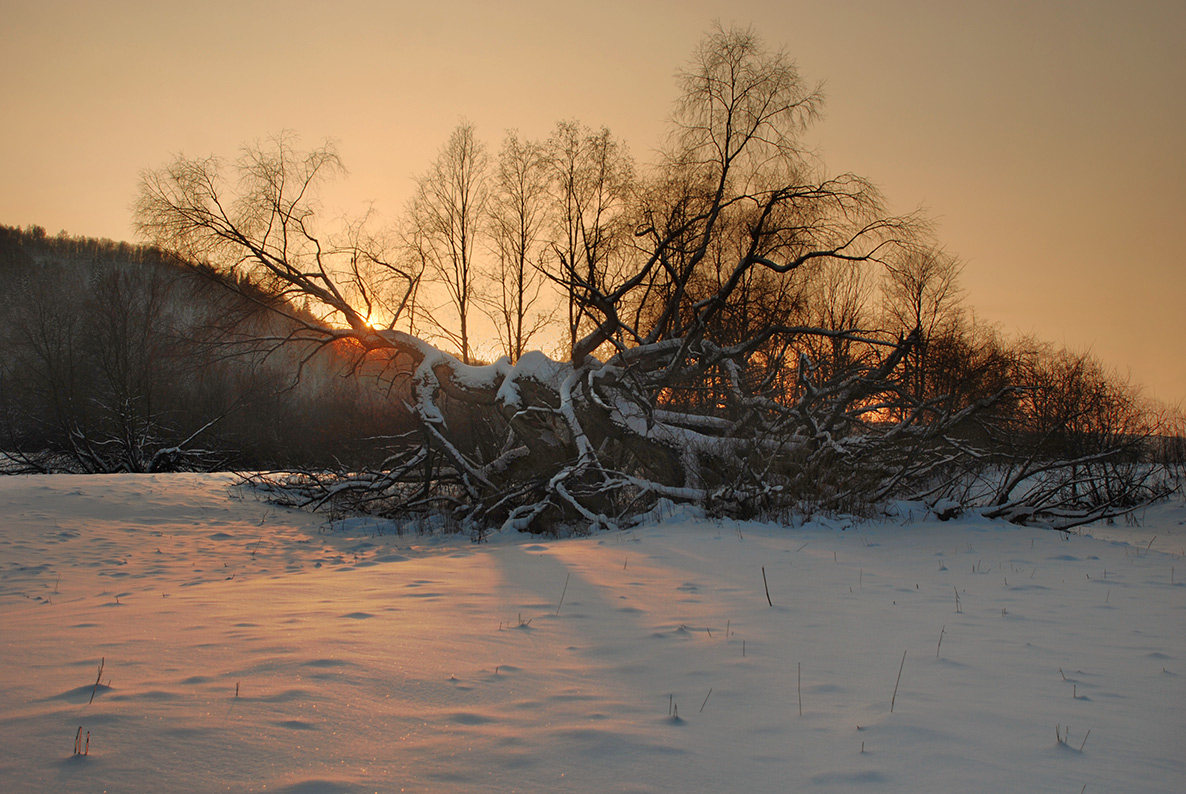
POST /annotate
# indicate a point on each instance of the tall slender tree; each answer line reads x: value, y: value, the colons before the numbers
x: 519, y: 210
x: 593, y: 180
x: 449, y: 213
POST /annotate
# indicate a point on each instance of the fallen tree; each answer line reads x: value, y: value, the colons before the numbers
x: 691, y: 379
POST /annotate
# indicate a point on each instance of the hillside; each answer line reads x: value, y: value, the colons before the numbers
x: 123, y: 358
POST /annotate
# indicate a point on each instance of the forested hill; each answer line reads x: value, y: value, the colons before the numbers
x: 120, y: 357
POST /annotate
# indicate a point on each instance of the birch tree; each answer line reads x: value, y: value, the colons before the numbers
x: 519, y: 215
x: 449, y: 214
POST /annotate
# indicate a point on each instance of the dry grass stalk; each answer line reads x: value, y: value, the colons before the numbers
x: 95, y: 688
x: 563, y: 592
x: 895, y: 697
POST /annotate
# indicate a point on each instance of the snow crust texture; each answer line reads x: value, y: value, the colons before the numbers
x: 244, y: 647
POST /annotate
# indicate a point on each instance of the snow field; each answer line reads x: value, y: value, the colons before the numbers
x: 250, y: 648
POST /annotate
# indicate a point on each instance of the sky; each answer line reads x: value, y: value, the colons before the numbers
x: 1046, y: 139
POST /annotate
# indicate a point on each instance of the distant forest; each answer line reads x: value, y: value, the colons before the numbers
x: 119, y: 357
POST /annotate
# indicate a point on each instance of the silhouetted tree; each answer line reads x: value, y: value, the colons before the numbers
x: 448, y: 214
x: 519, y: 218
x: 921, y: 291
x: 593, y: 176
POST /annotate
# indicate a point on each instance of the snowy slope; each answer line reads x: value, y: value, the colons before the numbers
x: 250, y: 648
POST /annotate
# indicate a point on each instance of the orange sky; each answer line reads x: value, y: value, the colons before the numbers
x: 1047, y: 138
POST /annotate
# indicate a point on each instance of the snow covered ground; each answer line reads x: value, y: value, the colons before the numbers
x: 249, y: 648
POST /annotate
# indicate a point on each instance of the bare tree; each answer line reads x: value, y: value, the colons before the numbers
x: 257, y: 224
x: 519, y: 217
x: 921, y: 291
x: 448, y: 214
x: 593, y: 176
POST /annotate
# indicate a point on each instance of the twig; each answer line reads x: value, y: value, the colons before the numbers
x: 799, y: 686
x: 1081, y: 746
x: 895, y: 697
x: 941, y: 632
x: 767, y: 586
x: 706, y: 697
